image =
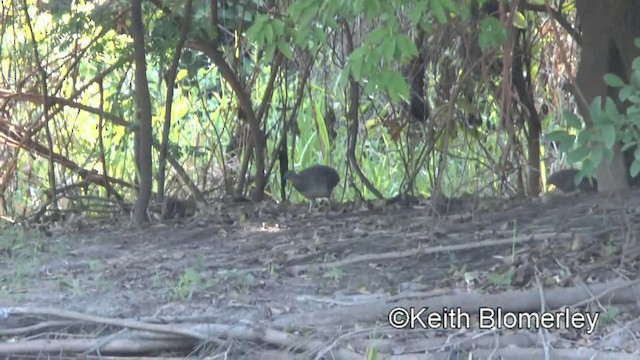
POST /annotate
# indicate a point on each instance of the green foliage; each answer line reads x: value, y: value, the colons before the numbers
x: 372, y: 354
x: 519, y: 20
x: 21, y: 251
x: 271, y: 34
x: 79, y: 42
x: 609, y: 315
x: 501, y: 279
x: 185, y: 287
x: 334, y: 274
x: 374, y: 62
x: 593, y: 145
x: 322, y: 129
x: 492, y: 33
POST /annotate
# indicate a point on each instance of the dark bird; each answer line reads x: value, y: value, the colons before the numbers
x: 314, y: 182
x: 563, y: 180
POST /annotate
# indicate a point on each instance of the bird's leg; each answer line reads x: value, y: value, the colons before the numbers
x: 327, y: 200
x: 329, y: 207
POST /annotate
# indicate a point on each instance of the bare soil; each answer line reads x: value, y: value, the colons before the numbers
x: 248, y: 281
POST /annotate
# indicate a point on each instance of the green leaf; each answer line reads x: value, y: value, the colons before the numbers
x: 628, y: 145
x: 610, y: 314
x: 389, y: 47
x: 562, y: 138
x: 608, y: 154
x: 595, y: 110
x: 635, y: 167
x: 492, y: 34
x: 634, y: 98
x: 356, y: 69
x: 308, y: 12
x: 573, y: 121
x: 296, y: 8
x: 635, y: 65
x: 635, y: 79
x: 519, y: 20
x: 268, y: 33
x: 318, y: 37
x: 372, y: 8
x: 597, y: 153
x: 577, y: 154
x: 398, y: 87
x: 577, y: 178
x: 608, y: 133
x: 503, y: 279
x: 256, y: 31
x: 636, y: 41
x: 587, y: 169
x: 613, y: 80
x: 625, y: 92
x: 300, y: 38
x: 182, y: 73
x: 378, y: 35
x: 356, y: 59
x: 450, y: 5
x: 343, y: 77
x: 633, y: 114
x: 415, y: 16
x: 285, y: 49
x: 556, y: 135
x: 278, y: 27
x: 270, y: 50
x: 626, y: 137
x: 438, y: 11
x: 407, y: 47
x: 322, y: 127
x: 584, y: 136
x: 611, y: 114
x: 357, y: 6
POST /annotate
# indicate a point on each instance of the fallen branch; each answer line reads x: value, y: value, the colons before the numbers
x: 37, y: 327
x: 130, y: 346
x: 430, y: 250
x: 131, y: 324
x: 154, y: 337
x: 529, y: 300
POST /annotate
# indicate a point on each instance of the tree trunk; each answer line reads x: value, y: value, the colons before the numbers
x: 143, y: 133
x: 598, y: 20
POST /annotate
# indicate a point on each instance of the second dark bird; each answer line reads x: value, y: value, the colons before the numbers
x: 314, y: 182
x: 563, y: 180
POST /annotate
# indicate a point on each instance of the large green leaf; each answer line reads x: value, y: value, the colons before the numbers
x: 285, y: 49
x: 572, y: 119
x: 577, y: 154
x: 635, y: 167
x: 563, y: 138
x: 613, y: 80
x: 608, y: 133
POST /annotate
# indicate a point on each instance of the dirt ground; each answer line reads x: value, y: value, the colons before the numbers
x: 246, y: 281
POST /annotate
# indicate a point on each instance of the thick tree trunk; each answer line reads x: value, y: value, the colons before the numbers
x: 597, y: 20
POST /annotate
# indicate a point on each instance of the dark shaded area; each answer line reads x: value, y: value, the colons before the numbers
x: 564, y: 180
